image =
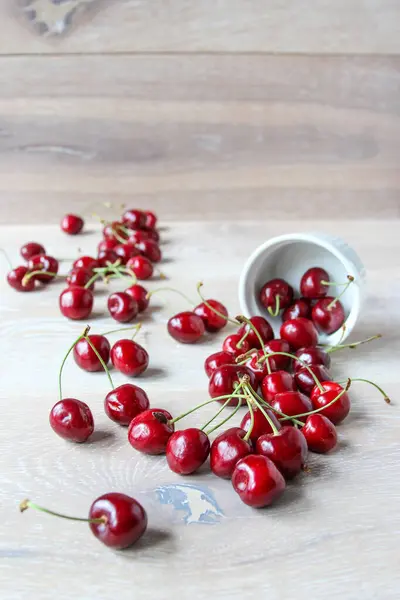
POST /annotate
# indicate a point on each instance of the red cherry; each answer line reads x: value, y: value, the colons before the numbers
x: 79, y: 277
x: 15, y: 280
x: 72, y: 224
x: 125, y: 520
x: 126, y: 252
x: 305, y: 381
x: 135, y: 218
x: 216, y: 360
x: 141, y: 266
x: 328, y: 317
x: 264, y: 329
x: 86, y: 358
x: 257, y: 365
x: 107, y: 244
x: 300, y: 308
x: 187, y: 450
x: 261, y: 424
x: 291, y: 404
x: 129, y: 357
x: 275, y: 383
x: 150, y: 431
x: 43, y: 262
x: 72, y: 420
x: 186, y: 327
x: 235, y: 345
x: 125, y: 402
x: 311, y: 356
x: 122, y: 307
x: 139, y: 294
x: 278, y: 362
x: 151, y: 219
x: 226, y: 450
x: 85, y: 262
x: 150, y: 249
x: 274, y: 288
x: 339, y: 409
x: 287, y: 449
x: 224, y: 380
x: 299, y: 333
x: 31, y: 249
x: 311, y: 285
x: 320, y: 433
x: 114, y: 231
x: 106, y: 256
x: 153, y: 235
x: 76, y: 302
x: 257, y: 481
x: 138, y: 235
x: 212, y: 321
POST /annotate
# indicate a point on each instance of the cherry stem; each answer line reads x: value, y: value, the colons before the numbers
x: 278, y: 412
x: 136, y: 327
x: 25, y: 504
x: 103, y: 364
x: 266, y: 415
x: 169, y: 289
x: 336, y: 283
x: 243, y: 319
x: 192, y: 410
x: 332, y: 304
x: 375, y: 385
x: 321, y: 408
x: 29, y: 276
x: 237, y: 389
x: 294, y: 357
x: 6, y: 257
x: 233, y: 413
x: 199, y: 286
x: 275, y: 313
x: 353, y: 344
x: 86, y: 331
x: 251, y: 411
x: 92, y: 280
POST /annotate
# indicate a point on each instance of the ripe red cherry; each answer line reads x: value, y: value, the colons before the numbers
x: 275, y: 383
x: 141, y: 266
x: 264, y: 329
x: 129, y: 357
x: 107, y: 244
x: 320, y: 433
x: 125, y: 252
x: 212, y: 321
x: 150, y: 431
x: 72, y: 420
x: 226, y: 450
x: 114, y: 231
x: 122, y: 307
x: 311, y: 356
x: 225, y: 379
x: 300, y: 308
x: 76, y: 302
x: 274, y: 288
x: 235, y: 345
x: 125, y: 402
x: 311, y: 284
x: 15, y: 279
x: 106, y: 256
x: 31, y: 249
x: 136, y: 219
x: 150, y: 249
x: 257, y: 365
x: 299, y: 333
x: 339, y: 409
x: 72, y: 224
x: 261, y: 424
x: 186, y: 327
x: 278, y: 362
x: 305, y: 381
x: 139, y: 294
x: 138, y: 235
x: 125, y: 520
x: 216, y: 360
x: 326, y: 317
x: 287, y: 449
x: 187, y: 450
x: 86, y: 358
x: 257, y: 481
x: 291, y: 404
x: 153, y: 235
x: 151, y: 219
x: 80, y: 277
x: 43, y: 262
x: 85, y: 262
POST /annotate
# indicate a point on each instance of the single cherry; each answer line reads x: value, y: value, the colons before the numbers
x: 216, y: 360
x: 104, y: 257
x: 76, y: 302
x: 305, y: 381
x: 287, y: 449
x: 125, y: 402
x: 328, y: 315
x: 151, y: 219
x: 85, y: 356
x: 141, y: 266
x: 275, y: 295
x: 153, y: 235
x: 125, y: 252
x: 337, y: 411
x: 300, y: 308
x: 299, y: 333
x: 265, y: 331
x: 227, y: 449
x: 150, y: 431
x: 124, y: 520
x: 31, y: 249
x: 261, y: 424
x: 85, y: 262
x: 313, y: 284
x: 122, y: 307
x: 320, y: 433
x: 311, y: 356
x: 15, y: 278
x: 257, y: 481
x: 115, y: 231
x: 291, y: 404
x: 235, y: 345
x: 72, y: 224
x: 80, y: 277
x: 150, y: 249
x: 72, y: 420
x: 43, y: 262
x: 187, y: 450
x: 278, y: 362
x: 139, y: 294
x: 257, y: 364
x: 107, y: 244
x: 225, y: 379
x: 186, y: 327
x: 275, y: 383
x: 136, y: 219
x: 138, y: 235
x: 129, y: 357
x: 212, y: 321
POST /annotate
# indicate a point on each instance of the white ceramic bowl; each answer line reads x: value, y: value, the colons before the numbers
x: 288, y: 257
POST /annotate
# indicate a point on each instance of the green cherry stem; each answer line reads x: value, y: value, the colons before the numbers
x: 192, y: 410
x: 275, y: 312
x: 233, y: 413
x: 243, y: 319
x: 352, y: 345
x: 236, y: 395
x: 278, y: 412
x: 84, y: 334
x: 169, y: 289
x: 375, y: 385
x: 350, y: 281
x: 103, y: 364
x: 251, y: 411
x: 136, y: 327
x: 92, y: 280
x: 29, y: 276
x: 321, y: 408
x: 204, y: 301
x: 25, y: 504
x: 266, y: 415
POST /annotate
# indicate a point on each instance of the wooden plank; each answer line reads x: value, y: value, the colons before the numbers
x: 305, y: 26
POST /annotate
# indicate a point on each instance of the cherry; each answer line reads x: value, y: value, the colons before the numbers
x: 264, y: 329
x: 43, y: 262
x: 141, y: 266
x: 186, y: 327
x: 328, y: 315
x: 278, y: 362
x: 261, y: 425
x: 275, y: 383
x: 125, y: 402
x: 107, y: 244
x: 153, y: 235
x: 339, y: 410
x: 31, y: 249
x: 129, y: 357
x: 106, y: 256
x: 138, y: 235
x: 291, y: 404
x: 72, y: 420
x: 124, y: 520
x: 235, y: 345
x: 114, y: 231
x: 139, y: 294
x: 227, y: 449
x: 126, y: 252
x: 300, y: 308
x: 305, y: 381
x: 212, y: 321
x: 311, y: 356
x: 187, y: 450
x: 275, y: 295
x: 122, y: 307
x: 257, y: 365
x: 216, y: 360
x: 135, y: 218
x: 312, y: 283
x: 257, y: 480
x: 320, y: 433
x: 299, y: 333
x: 76, y: 302
x: 72, y: 224
x: 150, y: 249
x: 225, y: 379
x: 287, y: 449
x: 151, y: 219
x: 150, y: 431
x: 80, y: 277
x: 85, y: 262
x: 15, y: 278
x: 86, y: 358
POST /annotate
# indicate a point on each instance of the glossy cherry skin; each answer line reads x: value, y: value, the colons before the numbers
x: 305, y: 381
x: 287, y: 449
x: 261, y: 424
x: 273, y: 288
x: 125, y: 520
x: 106, y: 256
x: 328, y: 320
x: 291, y: 404
x: 227, y: 449
x: 76, y: 302
x: 141, y: 266
x: 150, y: 431
x: 311, y: 356
x: 125, y: 252
x: 257, y: 480
x: 186, y: 327
x: 216, y: 360
x: 300, y: 308
x: 264, y: 329
x: 212, y: 321
x: 138, y: 235
x: 122, y: 307
x: 139, y: 294
x: 135, y: 218
x: 125, y: 402
x: 299, y: 333
x: 85, y: 262
x: 114, y: 231
x: 257, y: 365
x: 72, y: 224
x: 15, y: 280
x: 224, y: 380
x: 275, y: 383
x: 31, y: 249
x: 311, y: 285
x: 86, y: 358
x: 72, y: 420
x: 278, y: 362
x: 339, y: 410
x: 187, y: 450
x: 153, y: 235
x: 129, y: 357
x: 320, y: 433
x: 79, y: 277
x: 150, y: 249
x: 151, y: 219
x: 235, y: 345
x: 44, y: 263
x: 107, y: 244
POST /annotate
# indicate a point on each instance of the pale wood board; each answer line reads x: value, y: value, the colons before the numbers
x: 333, y: 535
